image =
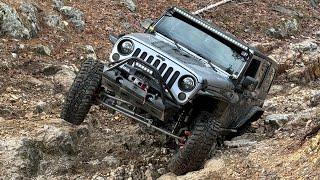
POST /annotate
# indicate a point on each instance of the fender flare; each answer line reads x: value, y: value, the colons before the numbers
x: 253, y: 115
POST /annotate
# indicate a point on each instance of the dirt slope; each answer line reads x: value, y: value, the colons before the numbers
x: 36, y: 144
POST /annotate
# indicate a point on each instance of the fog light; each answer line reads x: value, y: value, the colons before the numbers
x: 182, y: 96
x: 116, y: 57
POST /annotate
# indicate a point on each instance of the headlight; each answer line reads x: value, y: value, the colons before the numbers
x: 187, y: 83
x: 125, y: 47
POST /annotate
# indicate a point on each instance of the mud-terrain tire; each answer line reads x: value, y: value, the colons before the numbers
x: 82, y: 93
x: 192, y: 156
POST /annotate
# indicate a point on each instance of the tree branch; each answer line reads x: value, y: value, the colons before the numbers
x: 211, y: 6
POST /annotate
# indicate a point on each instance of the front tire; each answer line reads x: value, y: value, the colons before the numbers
x: 192, y: 156
x: 82, y: 93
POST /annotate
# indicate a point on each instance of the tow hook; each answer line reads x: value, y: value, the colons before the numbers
x: 185, y: 136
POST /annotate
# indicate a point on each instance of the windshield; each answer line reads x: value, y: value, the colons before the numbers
x: 201, y: 43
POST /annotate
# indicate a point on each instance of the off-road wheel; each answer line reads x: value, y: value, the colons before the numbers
x: 83, y: 92
x: 192, y: 155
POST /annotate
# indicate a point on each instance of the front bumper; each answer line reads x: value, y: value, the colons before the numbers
x: 159, y: 104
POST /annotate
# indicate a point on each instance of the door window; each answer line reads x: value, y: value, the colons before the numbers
x: 258, y: 70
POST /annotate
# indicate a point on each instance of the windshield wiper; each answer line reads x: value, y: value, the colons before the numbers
x: 208, y: 61
x: 177, y: 45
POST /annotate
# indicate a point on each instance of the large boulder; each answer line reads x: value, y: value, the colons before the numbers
x: 63, y: 79
x: 53, y: 20
x: 46, y: 150
x: 299, y: 62
x: 57, y: 4
x: 11, y: 23
x: 62, y: 140
x: 308, y: 45
x: 75, y: 15
x: 19, y: 158
x: 29, y: 14
x: 285, y: 29
x: 278, y: 120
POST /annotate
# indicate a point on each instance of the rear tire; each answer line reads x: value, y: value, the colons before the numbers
x: 198, y: 146
x: 82, y: 93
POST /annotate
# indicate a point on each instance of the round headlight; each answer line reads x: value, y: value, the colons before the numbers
x: 125, y: 47
x: 187, y: 83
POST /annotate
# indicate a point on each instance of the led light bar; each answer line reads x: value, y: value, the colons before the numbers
x: 205, y: 25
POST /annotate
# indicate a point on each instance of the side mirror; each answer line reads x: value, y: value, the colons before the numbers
x: 146, y: 23
x: 249, y: 83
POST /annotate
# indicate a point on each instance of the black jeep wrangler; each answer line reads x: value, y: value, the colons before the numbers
x: 183, y: 77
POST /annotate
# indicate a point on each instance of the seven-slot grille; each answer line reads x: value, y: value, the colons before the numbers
x: 169, y: 74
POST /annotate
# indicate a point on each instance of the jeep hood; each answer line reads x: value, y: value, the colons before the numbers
x: 214, y: 78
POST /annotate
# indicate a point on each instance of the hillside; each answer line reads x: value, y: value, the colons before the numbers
x: 43, y: 43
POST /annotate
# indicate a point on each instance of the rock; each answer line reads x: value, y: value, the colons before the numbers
x: 97, y: 177
x: 62, y: 140
x: 54, y: 21
x: 29, y: 13
x: 41, y: 107
x: 11, y: 23
x: 305, y: 73
x: 14, y: 55
x: 317, y: 34
x: 50, y: 69
x: 239, y: 143
x: 43, y: 50
x: 72, y: 12
x: 75, y: 16
x: 291, y: 26
x: 284, y: 30
x: 276, y: 33
x: 19, y: 48
x: 31, y: 155
x: 315, y: 100
x: 264, y: 47
x: 79, y: 24
x: 131, y: 4
x: 89, y: 49
x: 110, y: 161
x: 61, y: 165
x: 90, y: 52
x: 58, y: 140
x: 168, y: 176
x: 278, y: 119
x: 150, y: 175
x: 63, y: 79
x: 57, y: 4
x: 161, y: 171
x: 275, y: 89
x: 35, y: 82
x: 118, y: 173
x: 210, y: 171
x: 94, y: 163
x: 21, y: 157
x: 305, y: 46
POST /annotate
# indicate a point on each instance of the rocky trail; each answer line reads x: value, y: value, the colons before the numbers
x: 42, y: 44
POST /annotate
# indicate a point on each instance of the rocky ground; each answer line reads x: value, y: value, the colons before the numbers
x: 43, y: 43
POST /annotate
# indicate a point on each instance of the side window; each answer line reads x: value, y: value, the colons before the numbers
x: 258, y: 70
